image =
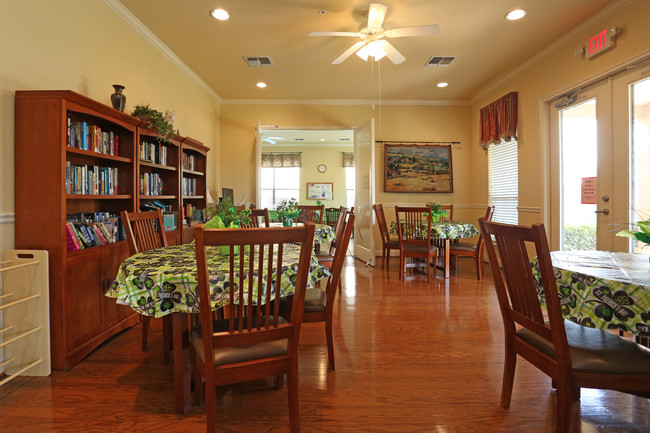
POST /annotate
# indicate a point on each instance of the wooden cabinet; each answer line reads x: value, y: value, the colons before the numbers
x: 81, y: 317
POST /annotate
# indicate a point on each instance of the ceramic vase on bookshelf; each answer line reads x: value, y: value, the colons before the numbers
x: 118, y: 99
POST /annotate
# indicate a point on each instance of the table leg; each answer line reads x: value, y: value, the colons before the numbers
x: 446, y: 254
x: 182, y: 370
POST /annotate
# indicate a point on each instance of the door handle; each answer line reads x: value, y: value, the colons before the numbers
x: 604, y: 211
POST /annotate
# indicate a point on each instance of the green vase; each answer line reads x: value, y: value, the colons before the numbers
x: 287, y: 222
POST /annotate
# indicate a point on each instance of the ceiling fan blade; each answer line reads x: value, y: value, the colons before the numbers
x: 433, y: 29
x: 395, y: 56
x: 376, y: 15
x: 348, y: 52
x: 349, y: 34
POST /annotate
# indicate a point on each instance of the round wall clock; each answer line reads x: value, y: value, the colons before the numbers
x: 322, y: 168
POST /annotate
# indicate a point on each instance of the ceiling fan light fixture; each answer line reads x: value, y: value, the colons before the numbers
x: 261, y: 84
x: 220, y: 14
x: 371, y: 49
x: 442, y: 84
x: 515, y: 14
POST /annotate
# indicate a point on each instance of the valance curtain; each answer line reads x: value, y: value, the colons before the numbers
x: 281, y: 159
x: 348, y: 159
x: 499, y: 120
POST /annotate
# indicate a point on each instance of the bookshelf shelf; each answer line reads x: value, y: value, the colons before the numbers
x: 192, y: 172
x: 158, y: 197
x: 98, y: 197
x: 157, y: 166
x: 90, y: 153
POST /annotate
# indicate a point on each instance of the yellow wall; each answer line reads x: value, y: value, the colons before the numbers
x: 83, y: 45
x: 554, y: 74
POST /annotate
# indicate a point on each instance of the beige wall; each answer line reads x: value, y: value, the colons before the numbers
x: 83, y: 45
x: 554, y: 74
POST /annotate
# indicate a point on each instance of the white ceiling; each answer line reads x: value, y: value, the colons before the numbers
x: 485, y: 45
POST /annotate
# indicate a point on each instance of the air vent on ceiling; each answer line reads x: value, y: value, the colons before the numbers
x: 435, y: 62
x: 259, y: 62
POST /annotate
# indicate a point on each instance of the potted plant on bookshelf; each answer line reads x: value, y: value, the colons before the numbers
x: 288, y: 211
x: 155, y: 120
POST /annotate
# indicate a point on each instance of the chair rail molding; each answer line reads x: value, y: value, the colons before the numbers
x: 528, y: 209
x: 7, y: 218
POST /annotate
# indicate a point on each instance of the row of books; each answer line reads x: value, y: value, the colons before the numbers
x: 90, y: 179
x: 153, y: 152
x: 82, y: 135
x: 189, y: 162
x: 189, y: 186
x: 82, y: 235
x: 151, y: 184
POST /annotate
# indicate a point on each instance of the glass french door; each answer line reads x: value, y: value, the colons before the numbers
x: 364, y: 166
x: 599, y: 149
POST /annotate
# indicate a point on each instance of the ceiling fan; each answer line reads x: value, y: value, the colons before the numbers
x: 372, y: 42
x: 271, y: 140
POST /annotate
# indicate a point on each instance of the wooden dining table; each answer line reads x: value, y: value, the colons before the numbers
x: 163, y: 282
x: 445, y: 232
x: 602, y: 289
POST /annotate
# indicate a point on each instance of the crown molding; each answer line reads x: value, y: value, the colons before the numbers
x: 341, y: 102
x: 152, y: 39
x: 602, y: 15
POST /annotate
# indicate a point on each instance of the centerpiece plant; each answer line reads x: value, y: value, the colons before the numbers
x: 437, y: 212
x: 641, y: 235
x: 288, y: 211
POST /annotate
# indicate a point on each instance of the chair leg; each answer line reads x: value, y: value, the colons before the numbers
x: 479, y: 267
x: 167, y: 337
x: 508, y: 376
x: 565, y: 393
x: 330, y: 342
x: 211, y: 406
x: 401, y: 267
x: 145, y: 332
x: 294, y: 407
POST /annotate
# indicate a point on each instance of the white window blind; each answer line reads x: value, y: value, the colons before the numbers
x: 503, y: 180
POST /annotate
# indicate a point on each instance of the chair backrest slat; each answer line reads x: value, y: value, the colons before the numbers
x: 414, y: 224
x: 450, y: 212
x: 254, y: 218
x: 381, y: 221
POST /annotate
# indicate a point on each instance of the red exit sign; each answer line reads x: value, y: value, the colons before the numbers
x: 602, y: 41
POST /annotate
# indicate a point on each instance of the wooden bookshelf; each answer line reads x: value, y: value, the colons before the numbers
x: 193, y: 181
x: 81, y: 317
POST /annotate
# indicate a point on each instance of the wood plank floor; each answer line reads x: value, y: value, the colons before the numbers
x: 411, y: 356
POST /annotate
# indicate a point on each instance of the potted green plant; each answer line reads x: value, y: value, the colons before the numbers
x: 226, y: 215
x: 436, y: 211
x: 641, y: 235
x: 155, y: 120
x: 288, y: 211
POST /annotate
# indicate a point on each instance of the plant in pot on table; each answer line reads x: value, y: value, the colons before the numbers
x: 437, y: 212
x: 288, y: 211
x: 226, y: 215
x: 641, y: 235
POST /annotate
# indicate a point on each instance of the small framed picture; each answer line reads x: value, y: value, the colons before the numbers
x: 320, y: 191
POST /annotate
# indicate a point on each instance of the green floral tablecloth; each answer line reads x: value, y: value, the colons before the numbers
x: 446, y: 229
x: 322, y: 232
x: 602, y: 289
x: 163, y: 281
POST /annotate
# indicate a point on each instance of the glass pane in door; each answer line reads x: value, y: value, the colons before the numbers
x: 640, y: 155
x: 579, y: 160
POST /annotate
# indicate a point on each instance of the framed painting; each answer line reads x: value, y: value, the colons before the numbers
x: 320, y: 191
x: 417, y: 168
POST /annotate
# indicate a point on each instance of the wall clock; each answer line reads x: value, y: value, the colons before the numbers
x: 322, y: 168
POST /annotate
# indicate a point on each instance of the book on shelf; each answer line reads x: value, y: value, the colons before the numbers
x: 98, y: 234
x: 85, y: 136
x: 72, y: 242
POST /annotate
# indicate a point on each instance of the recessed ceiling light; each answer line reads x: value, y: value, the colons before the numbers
x: 515, y: 14
x: 220, y: 14
x: 322, y: 139
x: 261, y: 84
x: 442, y: 84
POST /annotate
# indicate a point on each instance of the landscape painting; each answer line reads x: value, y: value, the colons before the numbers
x: 417, y: 168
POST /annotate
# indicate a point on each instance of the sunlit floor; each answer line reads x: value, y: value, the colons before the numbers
x: 411, y: 356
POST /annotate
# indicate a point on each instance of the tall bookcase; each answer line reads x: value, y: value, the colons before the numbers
x: 193, y: 181
x: 81, y: 317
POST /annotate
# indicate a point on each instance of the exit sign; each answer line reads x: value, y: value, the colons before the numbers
x: 601, y: 41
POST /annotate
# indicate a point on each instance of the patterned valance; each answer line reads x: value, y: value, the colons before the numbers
x: 281, y: 159
x: 348, y: 159
x: 499, y: 120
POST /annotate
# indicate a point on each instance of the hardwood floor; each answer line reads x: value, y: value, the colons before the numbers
x: 411, y: 356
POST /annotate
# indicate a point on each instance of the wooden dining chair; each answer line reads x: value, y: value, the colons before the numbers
x: 475, y: 251
x: 573, y: 356
x: 327, y: 256
x: 311, y: 213
x: 145, y: 231
x: 319, y: 304
x: 253, y: 342
x: 254, y: 218
x: 449, y: 208
x: 332, y: 216
x: 414, y: 234
x: 387, y: 243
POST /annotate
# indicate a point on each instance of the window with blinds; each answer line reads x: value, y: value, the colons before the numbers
x: 503, y: 181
